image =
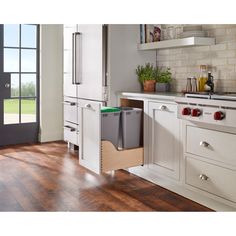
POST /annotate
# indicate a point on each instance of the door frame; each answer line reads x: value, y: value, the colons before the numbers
x: 21, y: 132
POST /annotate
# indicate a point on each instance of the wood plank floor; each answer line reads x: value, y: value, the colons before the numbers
x: 48, y: 177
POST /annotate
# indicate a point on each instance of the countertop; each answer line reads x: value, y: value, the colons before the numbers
x: 151, y: 95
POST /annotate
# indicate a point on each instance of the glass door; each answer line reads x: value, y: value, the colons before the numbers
x: 19, y: 83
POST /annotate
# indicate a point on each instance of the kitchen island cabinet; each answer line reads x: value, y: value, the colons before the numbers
x: 164, y: 143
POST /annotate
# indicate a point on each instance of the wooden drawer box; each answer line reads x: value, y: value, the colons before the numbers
x: 112, y: 159
x: 211, y: 144
x: 214, y: 179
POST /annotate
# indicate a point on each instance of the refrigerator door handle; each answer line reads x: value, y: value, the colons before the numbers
x: 76, y: 60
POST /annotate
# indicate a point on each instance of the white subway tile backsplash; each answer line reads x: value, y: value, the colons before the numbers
x: 220, y: 46
x: 220, y: 58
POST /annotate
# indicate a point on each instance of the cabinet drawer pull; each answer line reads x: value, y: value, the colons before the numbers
x: 69, y: 103
x: 204, y: 144
x: 203, y: 177
x: 163, y: 107
x: 70, y: 128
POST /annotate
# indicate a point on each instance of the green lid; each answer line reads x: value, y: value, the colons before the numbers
x: 109, y: 109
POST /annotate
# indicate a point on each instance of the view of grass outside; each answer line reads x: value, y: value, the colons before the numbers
x: 11, y: 106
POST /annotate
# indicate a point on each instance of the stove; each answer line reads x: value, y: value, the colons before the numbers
x: 218, y: 109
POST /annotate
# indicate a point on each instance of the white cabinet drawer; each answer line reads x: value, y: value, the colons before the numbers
x: 211, y: 178
x: 215, y: 145
x: 71, y: 133
x: 70, y: 112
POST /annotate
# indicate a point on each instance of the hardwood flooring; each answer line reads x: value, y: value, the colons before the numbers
x: 48, y: 177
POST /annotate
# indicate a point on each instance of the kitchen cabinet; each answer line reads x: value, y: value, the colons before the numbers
x: 100, y: 155
x: 164, y: 139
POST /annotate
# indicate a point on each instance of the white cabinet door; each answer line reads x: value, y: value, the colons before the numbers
x: 70, y: 89
x: 90, y: 134
x: 164, y: 130
x: 92, y: 62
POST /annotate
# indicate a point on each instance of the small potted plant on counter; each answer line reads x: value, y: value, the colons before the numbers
x: 146, y: 77
x: 163, y: 79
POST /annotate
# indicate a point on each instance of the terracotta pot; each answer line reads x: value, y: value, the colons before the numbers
x: 149, y: 86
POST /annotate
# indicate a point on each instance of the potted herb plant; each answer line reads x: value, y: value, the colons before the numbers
x: 146, y: 77
x: 163, y: 79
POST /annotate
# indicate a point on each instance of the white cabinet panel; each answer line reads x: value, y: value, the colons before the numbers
x: 211, y: 178
x: 164, y: 131
x: 92, y: 58
x: 71, y: 133
x: 89, y: 113
x: 69, y: 88
x: 212, y: 144
x: 70, y: 112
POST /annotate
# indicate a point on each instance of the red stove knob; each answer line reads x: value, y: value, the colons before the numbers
x: 219, y: 115
x: 186, y: 111
x: 196, y: 112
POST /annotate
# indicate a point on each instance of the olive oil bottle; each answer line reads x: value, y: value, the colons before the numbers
x: 202, y: 79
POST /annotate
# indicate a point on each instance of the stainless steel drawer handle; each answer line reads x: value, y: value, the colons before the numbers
x: 69, y: 103
x: 203, y: 177
x: 70, y: 128
x: 204, y: 144
x: 163, y: 107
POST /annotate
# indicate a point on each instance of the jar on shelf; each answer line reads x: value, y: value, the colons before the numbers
x: 171, y: 32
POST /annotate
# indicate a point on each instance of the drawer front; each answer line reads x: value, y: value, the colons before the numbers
x: 215, y: 145
x: 70, y: 112
x: 211, y: 178
x: 71, y: 133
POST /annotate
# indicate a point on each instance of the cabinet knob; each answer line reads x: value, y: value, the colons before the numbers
x: 203, y: 177
x: 204, y: 144
x: 163, y: 107
x: 88, y: 105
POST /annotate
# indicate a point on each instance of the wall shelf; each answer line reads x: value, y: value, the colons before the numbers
x: 176, y: 43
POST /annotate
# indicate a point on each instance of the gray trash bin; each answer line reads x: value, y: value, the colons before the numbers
x: 110, y: 119
x: 131, y: 127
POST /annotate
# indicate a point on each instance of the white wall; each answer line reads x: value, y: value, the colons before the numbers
x: 124, y: 58
x: 51, y: 83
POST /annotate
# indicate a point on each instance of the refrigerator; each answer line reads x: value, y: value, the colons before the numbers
x: 99, y: 61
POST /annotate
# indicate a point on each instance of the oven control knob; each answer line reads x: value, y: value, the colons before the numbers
x: 186, y: 111
x: 195, y: 112
x: 219, y: 115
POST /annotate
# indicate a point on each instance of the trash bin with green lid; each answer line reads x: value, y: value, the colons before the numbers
x: 131, y: 119
x: 110, y: 124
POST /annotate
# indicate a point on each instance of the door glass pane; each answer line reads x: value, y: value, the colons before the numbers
x: 28, y: 110
x: 28, y: 36
x: 11, y: 35
x: 11, y: 111
x: 14, y: 85
x: 11, y: 60
x: 28, y: 60
x: 28, y: 85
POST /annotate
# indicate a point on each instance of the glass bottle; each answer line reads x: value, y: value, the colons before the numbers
x: 188, y: 85
x: 202, y: 78
x: 194, y: 84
